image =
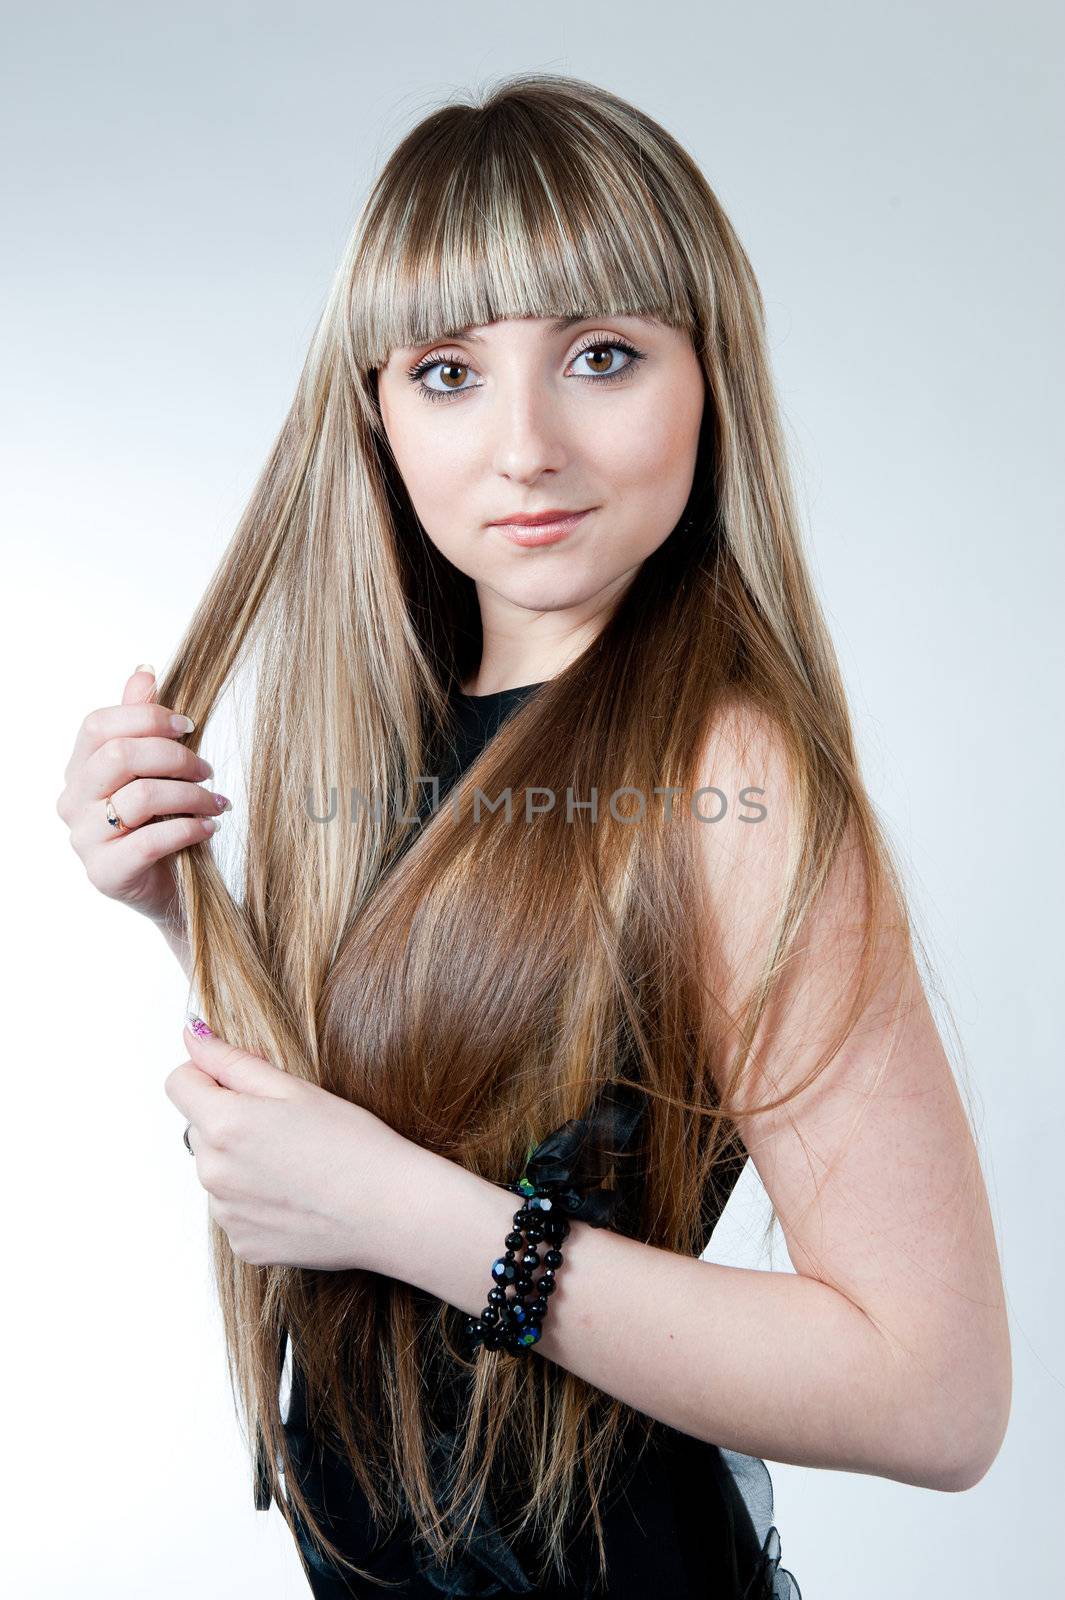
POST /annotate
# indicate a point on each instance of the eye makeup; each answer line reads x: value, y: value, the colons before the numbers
x: 594, y: 341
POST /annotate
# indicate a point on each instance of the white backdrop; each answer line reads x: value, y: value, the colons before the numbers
x: 178, y: 185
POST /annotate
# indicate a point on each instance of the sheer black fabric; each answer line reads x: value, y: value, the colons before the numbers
x: 682, y: 1517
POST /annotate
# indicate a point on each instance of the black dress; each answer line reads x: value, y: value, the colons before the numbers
x: 684, y: 1518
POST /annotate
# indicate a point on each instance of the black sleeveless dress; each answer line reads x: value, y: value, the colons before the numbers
x: 684, y: 1518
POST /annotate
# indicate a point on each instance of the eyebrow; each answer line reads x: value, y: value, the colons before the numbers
x: 558, y: 325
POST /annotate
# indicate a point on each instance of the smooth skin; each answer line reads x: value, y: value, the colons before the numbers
x: 887, y: 1350
x: 529, y: 417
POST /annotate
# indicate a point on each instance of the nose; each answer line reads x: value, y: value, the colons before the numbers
x: 528, y: 429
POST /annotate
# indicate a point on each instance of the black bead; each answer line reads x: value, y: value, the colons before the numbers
x: 506, y: 1317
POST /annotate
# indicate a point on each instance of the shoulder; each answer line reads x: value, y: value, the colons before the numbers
x: 749, y: 762
x: 792, y: 880
x: 749, y: 824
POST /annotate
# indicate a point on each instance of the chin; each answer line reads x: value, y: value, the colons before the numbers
x: 555, y: 591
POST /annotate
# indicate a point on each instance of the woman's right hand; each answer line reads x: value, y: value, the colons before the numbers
x: 131, y: 754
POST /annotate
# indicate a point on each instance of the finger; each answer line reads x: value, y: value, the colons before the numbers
x: 122, y: 759
x: 139, y: 689
x: 125, y: 721
x: 236, y: 1069
x: 144, y: 800
x: 195, y: 1093
x: 140, y: 685
x: 116, y: 865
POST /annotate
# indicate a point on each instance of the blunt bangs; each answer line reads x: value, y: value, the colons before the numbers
x: 492, y: 220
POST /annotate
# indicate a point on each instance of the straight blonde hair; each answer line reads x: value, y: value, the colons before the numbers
x: 360, y: 964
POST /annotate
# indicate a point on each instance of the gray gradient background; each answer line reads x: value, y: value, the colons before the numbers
x: 178, y: 185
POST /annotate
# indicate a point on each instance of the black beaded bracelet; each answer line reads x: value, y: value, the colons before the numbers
x: 562, y: 1180
x: 514, y: 1323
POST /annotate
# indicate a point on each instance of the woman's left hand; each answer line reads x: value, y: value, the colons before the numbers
x: 296, y: 1176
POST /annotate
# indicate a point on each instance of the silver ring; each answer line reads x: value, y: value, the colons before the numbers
x: 185, y: 1139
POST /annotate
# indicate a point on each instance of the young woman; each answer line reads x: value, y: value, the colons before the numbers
x: 527, y: 530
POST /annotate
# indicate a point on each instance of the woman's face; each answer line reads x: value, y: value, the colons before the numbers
x: 523, y: 416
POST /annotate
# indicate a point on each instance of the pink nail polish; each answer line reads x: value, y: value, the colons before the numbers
x: 200, y: 1028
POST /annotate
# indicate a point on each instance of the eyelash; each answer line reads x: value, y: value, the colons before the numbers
x: 438, y: 358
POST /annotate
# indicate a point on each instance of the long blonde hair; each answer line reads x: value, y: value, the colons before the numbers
x: 364, y: 966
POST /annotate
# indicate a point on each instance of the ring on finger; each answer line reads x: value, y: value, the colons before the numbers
x: 113, y: 819
x: 185, y: 1139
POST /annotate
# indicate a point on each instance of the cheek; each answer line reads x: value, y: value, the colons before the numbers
x: 429, y: 463
x: 651, y: 461
x: 432, y: 471
x: 424, y: 453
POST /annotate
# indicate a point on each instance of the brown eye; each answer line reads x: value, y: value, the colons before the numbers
x: 600, y: 366
x: 451, y: 373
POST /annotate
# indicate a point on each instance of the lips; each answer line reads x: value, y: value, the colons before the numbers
x: 536, y: 519
x: 547, y: 527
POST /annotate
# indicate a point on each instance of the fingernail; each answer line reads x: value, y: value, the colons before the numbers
x: 145, y: 666
x: 200, y: 1028
x: 222, y: 803
x: 212, y: 824
x: 181, y: 724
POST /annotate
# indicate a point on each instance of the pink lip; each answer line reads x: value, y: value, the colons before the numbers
x: 548, y: 528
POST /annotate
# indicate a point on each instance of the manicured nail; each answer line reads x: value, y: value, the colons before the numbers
x: 200, y: 1028
x: 222, y: 803
x: 212, y: 824
x: 145, y: 666
x: 181, y: 724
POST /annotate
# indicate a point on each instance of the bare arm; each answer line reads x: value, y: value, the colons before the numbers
x: 887, y: 1351
x: 768, y: 1363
